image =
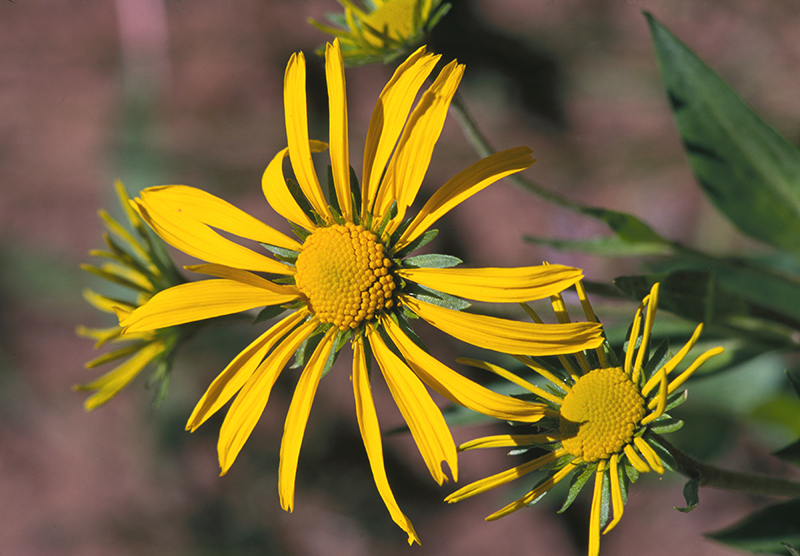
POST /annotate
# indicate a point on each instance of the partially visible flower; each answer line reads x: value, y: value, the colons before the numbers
x: 348, y: 277
x: 383, y: 30
x: 138, y: 263
x: 603, y: 419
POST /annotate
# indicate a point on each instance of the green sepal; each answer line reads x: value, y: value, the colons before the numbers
x: 421, y: 241
x: 333, y: 200
x: 338, y: 342
x: 301, y: 233
x: 300, y: 199
x: 268, y: 312
x: 605, y: 499
x: 124, y: 256
x: 400, y: 320
x: 431, y: 260
x: 543, y: 480
x: 434, y: 297
x: 663, y: 453
x: 669, y: 424
x: 576, y: 484
x: 355, y: 196
x: 392, y: 213
x: 655, y: 361
x: 308, y: 346
x: 281, y: 253
x: 630, y: 471
x: 690, y: 495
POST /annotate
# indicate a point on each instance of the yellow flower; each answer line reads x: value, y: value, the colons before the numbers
x: 384, y: 30
x: 135, y: 263
x: 602, y: 420
x: 349, y: 277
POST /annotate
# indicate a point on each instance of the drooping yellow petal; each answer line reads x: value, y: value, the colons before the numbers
x: 111, y: 383
x: 508, y: 336
x: 594, y: 519
x: 413, y: 155
x: 294, y: 101
x: 504, y: 477
x: 214, y: 212
x: 496, y: 285
x: 246, y: 409
x: 424, y: 418
x: 638, y: 463
x: 198, y: 240
x: 507, y: 441
x: 463, y: 185
x: 649, y: 319
x: 675, y: 360
x: 200, y: 301
x: 371, y: 435
x: 337, y: 112
x: 617, y: 503
x: 532, y: 495
x: 273, y: 184
x: 297, y: 417
x: 222, y: 271
x: 388, y: 120
x: 457, y: 388
x: 649, y: 454
x: 239, y: 371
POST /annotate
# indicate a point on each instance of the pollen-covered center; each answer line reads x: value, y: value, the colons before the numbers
x: 600, y: 414
x: 344, y: 275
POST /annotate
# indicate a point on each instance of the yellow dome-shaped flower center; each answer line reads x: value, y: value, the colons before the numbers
x: 600, y: 414
x: 344, y: 275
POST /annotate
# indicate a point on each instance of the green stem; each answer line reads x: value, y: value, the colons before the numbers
x: 484, y: 149
x: 714, y: 477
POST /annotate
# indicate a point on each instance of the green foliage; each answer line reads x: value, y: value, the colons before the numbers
x: 764, y: 531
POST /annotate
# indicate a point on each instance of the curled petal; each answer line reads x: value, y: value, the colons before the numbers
x: 508, y: 336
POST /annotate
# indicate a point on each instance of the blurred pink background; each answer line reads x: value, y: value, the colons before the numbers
x: 154, y: 92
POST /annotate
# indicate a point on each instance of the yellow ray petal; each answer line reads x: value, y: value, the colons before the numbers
x: 511, y: 377
x: 243, y: 276
x: 249, y: 404
x: 213, y: 211
x: 462, y: 186
x: 371, y: 434
x: 388, y: 120
x: 103, y: 303
x: 594, y: 519
x: 273, y: 184
x: 504, y: 477
x: 532, y: 495
x: 649, y: 319
x: 457, y: 388
x: 198, y: 240
x: 238, y: 371
x: 297, y: 417
x: 508, y: 336
x: 675, y: 360
x: 423, y: 417
x: 111, y: 383
x: 496, y: 285
x: 507, y: 441
x: 638, y: 463
x: 413, y: 155
x: 337, y: 110
x: 199, y: 301
x: 649, y: 454
x: 617, y: 503
x: 684, y: 376
x: 294, y: 101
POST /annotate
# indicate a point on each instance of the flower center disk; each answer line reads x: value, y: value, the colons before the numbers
x: 344, y: 275
x: 600, y: 414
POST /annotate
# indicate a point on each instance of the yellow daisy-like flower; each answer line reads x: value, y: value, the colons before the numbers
x: 136, y: 262
x: 602, y: 420
x: 349, y: 277
x: 384, y: 29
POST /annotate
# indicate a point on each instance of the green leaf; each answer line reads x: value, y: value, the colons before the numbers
x: 690, y: 494
x: 422, y: 240
x: 790, y: 453
x: 605, y: 246
x: 576, y: 484
x: 629, y: 228
x: 794, y: 377
x: 431, y: 260
x: 269, y: 312
x: 765, y: 530
x: 749, y: 171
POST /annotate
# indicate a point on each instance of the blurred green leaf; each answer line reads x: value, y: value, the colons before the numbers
x: 790, y: 453
x: 605, y: 246
x: 745, y: 167
x: 765, y: 530
x: 794, y: 377
x: 691, y: 495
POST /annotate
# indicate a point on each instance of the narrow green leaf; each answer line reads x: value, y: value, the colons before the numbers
x: 269, y: 312
x: 691, y: 495
x: 604, y: 246
x: 576, y: 484
x: 764, y: 530
x: 749, y: 171
x: 422, y: 240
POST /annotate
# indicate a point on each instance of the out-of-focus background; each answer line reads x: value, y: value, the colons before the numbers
x: 168, y: 91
